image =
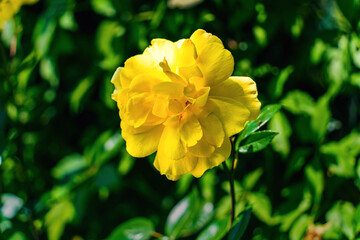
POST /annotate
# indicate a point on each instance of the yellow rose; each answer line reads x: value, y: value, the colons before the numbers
x: 180, y: 100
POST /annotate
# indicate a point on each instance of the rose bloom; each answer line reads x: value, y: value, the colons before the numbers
x: 180, y: 100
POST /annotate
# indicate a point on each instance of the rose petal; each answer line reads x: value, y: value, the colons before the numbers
x: 231, y: 113
x: 220, y: 155
x: 213, y: 129
x: 137, y: 65
x: 201, y: 38
x: 190, y: 129
x: 249, y: 98
x: 144, y: 143
x: 162, y: 48
x: 170, y: 144
x: 174, y: 168
x: 116, y: 81
x: 187, y: 54
x: 138, y: 108
x: 215, y: 63
x: 169, y: 89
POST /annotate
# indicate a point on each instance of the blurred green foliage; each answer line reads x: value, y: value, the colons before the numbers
x: 64, y: 170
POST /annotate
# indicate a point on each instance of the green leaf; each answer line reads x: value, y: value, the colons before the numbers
x: 317, y: 51
x: 262, y: 208
x: 69, y: 165
x: 349, y: 145
x: 215, y: 231
x: 266, y: 114
x: 298, y: 102
x: 108, y: 36
x: 48, y: 71
x: 158, y: 15
x: 136, y: 228
x: 357, y: 219
x: 256, y: 141
x: 297, y: 161
x: 18, y: 236
x: 343, y: 167
x: 299, y: 228
x: 355, y: 49
x: 357, y: 181
x: 341, y: 215
x: 207, y: 185
x: 12, y: 111
x: 252, y: 178
x: 183, y: 184
x: 103, y: 7
x: 339, y: 64
x: 355, y: 79
x: 260, y: 35
x: 79, y: 93
x: 25, y: 70
x: 126, y: 163
x: 280, y: 81
x: 344, y: 153
x: 321, y: 117
x: 240, y: 225
x: 315, y: 176
x: 106, y: 146
x: 281, y: 143
x: 67, y: 21
x: 58, y: 216
x: 288, y: 219
x: 43, y: 35
x: 109, y: 148
x: 223, y: 207
x: 182, y: 214
x: 201, y: 217
x: 297, y: 27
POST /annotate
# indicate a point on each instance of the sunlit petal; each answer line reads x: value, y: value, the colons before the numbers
x: 201, y: 38
x: 190, y: 129
x: 169, y: 89
x: 231, y: 113
x: 219, y: 155
x: 249, y: 96
x: 170, y: 143
x: 187, y: 54
x: 137, y: 65
x: 162, y: 48
x: 144, y: 143
x: 116, y: 81
x: 215, y: 63
x: 138, y: 108
x: 213, y: 129
x: 171, y: 167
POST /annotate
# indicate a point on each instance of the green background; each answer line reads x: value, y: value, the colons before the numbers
x: 65, y: 173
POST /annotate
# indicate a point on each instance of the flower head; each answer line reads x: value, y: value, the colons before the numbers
x: 180, y: 100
